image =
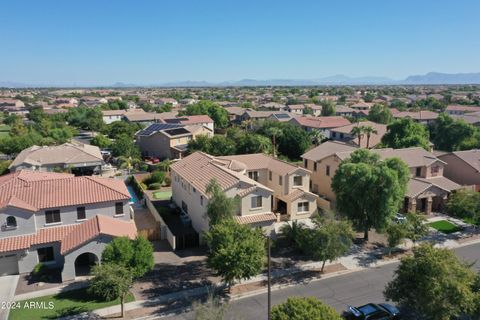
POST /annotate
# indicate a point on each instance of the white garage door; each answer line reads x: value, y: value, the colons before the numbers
x: 8, y: 265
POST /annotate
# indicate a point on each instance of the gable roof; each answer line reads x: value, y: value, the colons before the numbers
x: 327, y: 149
x: 258, y: 161
x: 321, y: 122
x: 471, y: 157
x: 417, y: 115
x: 375, y: 138
x: 34, y: 191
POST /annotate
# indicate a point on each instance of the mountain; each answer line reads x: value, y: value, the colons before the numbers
x: 10, y: 84
x: 444, y: 78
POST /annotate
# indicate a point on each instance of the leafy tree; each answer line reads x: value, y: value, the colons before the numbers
x: 254, y: 143
x: 115, y: 105
x: 136, y: 255
x: 217, y: 145
x: 465, y: 204
x: 317, y: 136
x: 398, y: 104
x: 395, y: 234
x: 368, y: 97
x: 328, y: 108
x: 125, y: 147
x: 117, y: 129
x: 4, y: 164
x: 235, y: 251
x: 12, y: 119
x: 328, y: 240
x: 111, y: 281
x: 85, y: 118
x: 218, y: 114
x: 405, y: 133
x: 36, y: 114
x: 301, y: 308
x: 430, y: 103
x: 434, y: 284
x: 380, y: 113
x: 415, y: 226
x: 370, y: 191
x: 101, y: 141
x: 449, y: 134
x: 220, y: 207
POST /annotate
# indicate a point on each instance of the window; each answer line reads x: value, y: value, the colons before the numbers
x: 194, y: 190
x: 280, y: 180
x: 11, y: 222
x: 418, y: 172
x: 184, y: 207
x: 256, y: 202
x: 118, y: 208
x: 314, y: 166
x: 334, y: 134
x: 305, y: 163
x: 81, y: 213
x: 52, y: 216
x: 341, y: 136
x: 45, y: 254
x: 327, y: 170
x: 253, y: 175
x: 201, y: 200
x: 434, y: 170
x: 270, y: 175
x: 302, y: 206
x: 297, y: 181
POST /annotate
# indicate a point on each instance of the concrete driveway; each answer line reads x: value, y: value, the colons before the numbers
x: 8, y: 284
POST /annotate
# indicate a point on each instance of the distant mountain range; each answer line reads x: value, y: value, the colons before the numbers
x: 432, y: 78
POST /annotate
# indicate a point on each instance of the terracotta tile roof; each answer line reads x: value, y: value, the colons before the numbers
x: 418, y: 115
x: 33, y: 190
x: 326, y: 149
x: 256, y: 218
x: 321, y: 122
x: 296, y: 194
x: 95, y: 226
x: 71, y: 236
x: 195, y: 119
x: 257, y: 161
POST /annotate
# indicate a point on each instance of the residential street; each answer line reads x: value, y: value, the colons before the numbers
x: 355, y: 288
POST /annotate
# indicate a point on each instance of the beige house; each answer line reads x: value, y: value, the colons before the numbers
x: 269, y: 190
x: 344, y: 134
x: 463, y: 167
x: 427, y: 189
x: 168, y: 141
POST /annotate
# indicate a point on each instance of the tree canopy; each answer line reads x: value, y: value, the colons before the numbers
x: 301, y: 308
x: 449, y: 134
x: 328, y: 108
x: 85, y: 118
x: 235, y: 251
x: 405, y: 133
x: 218, y: 114
x: 370, y: 191
x: 220, y: 207
x: 465, y: 204
x: 434, y: 284
x: 380, y: 113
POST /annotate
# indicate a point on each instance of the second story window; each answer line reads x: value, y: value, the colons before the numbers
x: 434, y: 170
x: 257, y: 202
x: 118, y: 208
x: 270, y: 175
x: 418, y: 171
x: 303, y: 206
x: 253, y: 175
x: 280, y: 180
x: 81, y: 215
x: 297, y: 181
x: 327, y: 170
x: 314, y: 166
x: 52, y: 216
x: 11, y: 222
x: 201, y: 200
x: 305, y: 163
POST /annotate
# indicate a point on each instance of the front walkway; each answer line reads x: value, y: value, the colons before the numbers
x: 7, y: 292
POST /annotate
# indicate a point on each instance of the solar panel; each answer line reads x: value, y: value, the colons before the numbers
x: 154, y: 127
x: 282, y: 116
x: 176, y: 132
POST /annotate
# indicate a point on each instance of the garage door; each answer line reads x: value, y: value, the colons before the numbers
x: 8, y: 265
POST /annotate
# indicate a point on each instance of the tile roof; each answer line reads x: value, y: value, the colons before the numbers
x: 321, y: 122
x: 256, y: 218
x: 463, y: 108
x: 257, y: 161
x: 327, y: 149
x: 417, y: 115
x: 71, y: 236
x: 471, y: 157
x: 66, y: 154
x: 298, y: 193
x: 374, y: 138
x: 33, y: 190
x: 416, y: 186
x: 195, y: 119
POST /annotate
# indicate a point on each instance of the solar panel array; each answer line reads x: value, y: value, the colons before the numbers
x: 176, y: 132
x: 154, y: 127
x: 282, y: 115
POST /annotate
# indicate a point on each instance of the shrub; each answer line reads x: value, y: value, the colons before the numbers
x: 40, y: 272
x: 154, y: 186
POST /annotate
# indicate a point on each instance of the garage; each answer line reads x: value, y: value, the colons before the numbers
x: 8, y: 264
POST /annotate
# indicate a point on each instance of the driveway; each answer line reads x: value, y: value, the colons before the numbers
x: 8, y: 284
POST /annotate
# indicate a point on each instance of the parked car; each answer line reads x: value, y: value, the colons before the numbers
x: 400, y: 218
x: 372, y: 311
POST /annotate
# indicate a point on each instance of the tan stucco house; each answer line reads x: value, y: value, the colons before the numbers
x: 427, y: 189
x: 269, y: 190
x: 463, y: 167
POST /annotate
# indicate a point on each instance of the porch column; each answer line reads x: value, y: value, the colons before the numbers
x: 428, y: 209
x: 412, y: 205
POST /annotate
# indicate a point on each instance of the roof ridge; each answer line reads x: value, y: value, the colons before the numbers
x: 97, y: 180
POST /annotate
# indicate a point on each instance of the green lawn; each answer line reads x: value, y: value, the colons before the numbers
x: 445, y: 226
x: 162, y: 195
x: 63, y: 304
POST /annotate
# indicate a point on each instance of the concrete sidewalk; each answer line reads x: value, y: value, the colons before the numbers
x: 8, y: 284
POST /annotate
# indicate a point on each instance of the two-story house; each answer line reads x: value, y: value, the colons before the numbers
x: 427, y: 189
x: 323, y: 124
x: 59, y: 220
x: 344, y: 134
x: 463, y: 167
x: 268, y: 189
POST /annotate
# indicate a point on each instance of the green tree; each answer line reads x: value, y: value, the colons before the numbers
x: 254, y: 143
x: 110, y: 282
x: 219, y: 207
x: 316, y: 136
x: 218, y: 114
x: 125, y: 147
x: 465, y: 204
x: 235, y: 251
x: 85, y: 118
x: 398, y: 104
x: 274, y: 133
x: 396, y: 233
x: 358, y: 132
x: 368, y: 131
x: 434, y: 284
x: 101, y: 141
x: 328, y: 108
x: 380, y: 113
x: 405, y: 133
x: 117, y: 129
x: 368, y: 97
x: 370, y: 191
x: 415, y: 226
x: 302, y: 308
x: 449, y: 134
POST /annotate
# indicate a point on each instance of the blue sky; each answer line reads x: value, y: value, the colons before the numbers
x: 95, y: 42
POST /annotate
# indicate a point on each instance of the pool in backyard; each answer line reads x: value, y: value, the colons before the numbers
x: 133, y: 196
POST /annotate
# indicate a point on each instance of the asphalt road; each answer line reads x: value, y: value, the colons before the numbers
x: 354, y: 288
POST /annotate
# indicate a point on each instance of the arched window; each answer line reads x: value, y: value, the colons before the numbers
x: 11, y: 221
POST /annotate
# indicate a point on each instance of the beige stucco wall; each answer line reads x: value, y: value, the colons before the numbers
x: 320, y: 180
x: 459, y: 171
x: 293, y: 208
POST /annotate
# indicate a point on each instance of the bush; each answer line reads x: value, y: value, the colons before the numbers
x: 154, y: 186
x: 157, y: 177
x: 40, y: 272
x: 299, y: 308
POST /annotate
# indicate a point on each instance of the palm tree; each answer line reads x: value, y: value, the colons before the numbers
x: 369, y: 130
x: 357, y: 132
x: 247, y: 124
x: 317, y: 136
x: 164, y: 165
x: 274, y: 132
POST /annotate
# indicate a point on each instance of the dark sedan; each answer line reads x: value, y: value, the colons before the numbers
x: 372, y: 311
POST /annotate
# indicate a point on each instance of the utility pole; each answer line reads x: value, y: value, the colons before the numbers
x: 269, y: 281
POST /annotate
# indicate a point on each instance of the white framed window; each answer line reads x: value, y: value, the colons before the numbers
x: 303, y: 206
x: 256, y: 202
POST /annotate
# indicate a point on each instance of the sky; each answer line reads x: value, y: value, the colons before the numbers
x: 100, y: 42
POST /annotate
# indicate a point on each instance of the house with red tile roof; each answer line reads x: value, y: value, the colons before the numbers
x: 422, y: 116
x: 59, y: 220
x: 461, y: 109
x: 269, y: 190
x: 324, y: 124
